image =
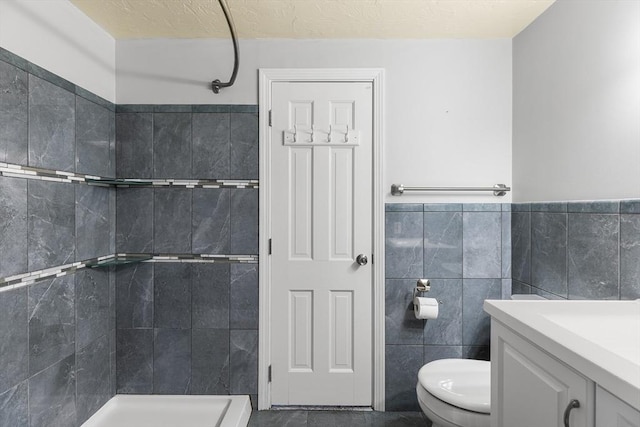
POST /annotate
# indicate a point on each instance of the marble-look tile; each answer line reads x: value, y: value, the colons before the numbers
x: 557, y: 207
x: 172, y: 108
x: 211, y: 146
x: 475, y: 322
x: 442, y: 207
x: 404, y: 245
x: 134, y: 360
x: 447, y: 328
x: 437, y: 352
x: 477, y: 352
x: 210, y: 296
x: 243, y: 305
x: 13, y: 231
x: 481, y: 244
x: 443, y: 245
x: 507, y: 288
x: 51, y: 232
x: 546, y: 295
x: 134, y: 296
x: 134, y: 108
x: 13, y: 59
x: 52, y: 323
x: 92, y: 222
x: 172, y: 220
x: 482, y: 207
x: 90, y: 96
x: 336, y: 418
x: 14, y: 406
x: 244, y: 362
x: 278, y: 419
x: 401, y: 325
x: 593, y: 256
x: 244, y: 221
x: 402, y: 365
x: 112, y: 219
x: 36, y: 70
x: 93, y: 131
x: 403, y: 207
x: 134, y: 145
x: 549, y: 252
x: 520, y: 288
x: 112, y: 145
x: 52, y: 129
x: 92, y: 376
x: 629, y: 256
x: 172, y: 361
x: 395, y: 419
x: 244, y: 145
x: 631, y: 206
x: 13, y: 337
x: 521, y: 246
x: 211, y: 221
x: 172, y: 295
x: 210, y: 361
x: 506, y: 207
x: 134, y: 227
x: 521, y: 207
x: 172, y: 145
x: 14, y: 113
x: 600, y: 206
x: 52, y: 395
x: 92, y: 305
x: 506, y: 244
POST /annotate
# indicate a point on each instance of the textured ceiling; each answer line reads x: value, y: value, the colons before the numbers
x: 314, y: 19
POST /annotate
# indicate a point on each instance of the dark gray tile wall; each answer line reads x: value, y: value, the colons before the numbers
x: 577, y: 250
x: 465, y: 250
x: 187, y: 328
x: 57, y: 336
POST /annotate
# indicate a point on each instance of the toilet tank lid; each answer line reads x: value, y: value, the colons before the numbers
x: 459, y: 382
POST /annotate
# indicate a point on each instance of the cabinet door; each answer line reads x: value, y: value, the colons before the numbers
x: 532, y: 389
x: 612, y: 412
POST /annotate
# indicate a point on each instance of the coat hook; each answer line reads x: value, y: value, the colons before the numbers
x: 346, y: 134
x: 312, y: 132
x: 329, y: 134
x: 295, y: 133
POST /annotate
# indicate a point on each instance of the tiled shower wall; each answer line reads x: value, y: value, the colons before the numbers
x: 465, y: 250
x: 57, y: 336
x: 577, y: 250
x: 187, y: 328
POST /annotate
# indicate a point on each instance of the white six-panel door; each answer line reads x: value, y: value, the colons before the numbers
x: 321, y: 220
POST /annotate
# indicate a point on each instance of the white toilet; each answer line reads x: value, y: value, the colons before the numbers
x: 457, y: 392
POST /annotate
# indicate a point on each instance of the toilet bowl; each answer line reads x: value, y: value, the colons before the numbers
x: 455, y: 392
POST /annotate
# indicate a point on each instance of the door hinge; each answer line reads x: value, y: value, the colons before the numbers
x: 270, y: 122
x: 269, y: 374
x: 269, y: 246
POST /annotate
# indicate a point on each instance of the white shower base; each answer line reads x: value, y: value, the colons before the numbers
x: 172, y: 411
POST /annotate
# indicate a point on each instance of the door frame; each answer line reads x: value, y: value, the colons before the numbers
x: 267, y: 76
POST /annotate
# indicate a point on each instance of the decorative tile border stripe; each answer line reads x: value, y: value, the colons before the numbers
x: 18, y: 171
x: 186, y: 108
x: 25, y: 279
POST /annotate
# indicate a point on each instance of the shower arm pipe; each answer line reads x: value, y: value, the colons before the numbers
x: 216, y: 85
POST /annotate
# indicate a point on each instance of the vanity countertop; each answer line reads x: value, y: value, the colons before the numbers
x: 599, y: 339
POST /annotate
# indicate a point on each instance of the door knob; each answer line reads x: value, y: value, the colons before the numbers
x: 362, y: 259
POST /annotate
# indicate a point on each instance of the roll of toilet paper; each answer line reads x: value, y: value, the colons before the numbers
x: 425, y: 308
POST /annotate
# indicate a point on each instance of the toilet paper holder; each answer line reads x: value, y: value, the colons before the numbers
x: 423, y: 285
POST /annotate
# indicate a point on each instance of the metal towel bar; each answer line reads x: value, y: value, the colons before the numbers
x: 498, y: 189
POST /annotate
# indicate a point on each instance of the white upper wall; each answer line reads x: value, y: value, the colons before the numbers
x: 447, y: 102
x: 576, y: 89
x: 55, y: 35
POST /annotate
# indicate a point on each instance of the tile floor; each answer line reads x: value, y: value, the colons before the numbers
x: 336, y: 419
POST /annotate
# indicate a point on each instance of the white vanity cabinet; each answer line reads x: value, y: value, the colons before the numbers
x: 613, y: 412
x: 530, y: 388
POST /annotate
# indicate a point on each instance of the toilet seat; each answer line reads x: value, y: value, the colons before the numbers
x: 462, y: 383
